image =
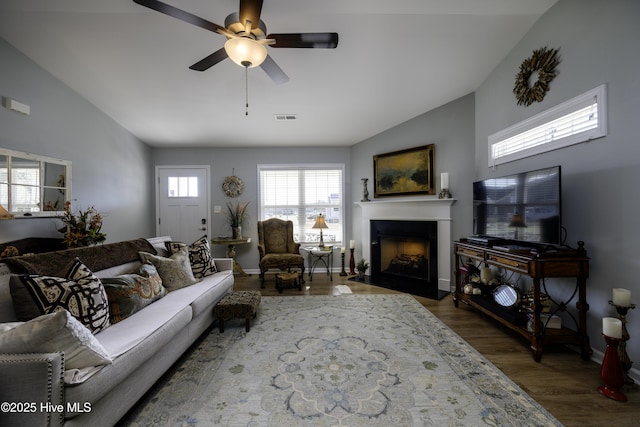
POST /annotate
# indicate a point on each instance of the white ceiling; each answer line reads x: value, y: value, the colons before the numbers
x: 395, y: 60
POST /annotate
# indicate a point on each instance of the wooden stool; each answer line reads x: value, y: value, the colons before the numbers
x: 290, y: 280
x: 237, y: 305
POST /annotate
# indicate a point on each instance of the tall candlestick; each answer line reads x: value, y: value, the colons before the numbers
x: 612, y: 327
x: 621, y: 297
x: 352, y: 263
x: 342, y: 272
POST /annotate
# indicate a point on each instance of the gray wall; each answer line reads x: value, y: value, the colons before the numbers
x: 598, y: 44
x: 450, y: 128
x: 110, y: 166
x: 244, y: 163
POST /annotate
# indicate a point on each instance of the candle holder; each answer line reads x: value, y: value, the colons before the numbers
x: 342, y: 272
x: 622, y: 347
x: 444, y: 194
x: 611, y: 371
x: 352, y: 264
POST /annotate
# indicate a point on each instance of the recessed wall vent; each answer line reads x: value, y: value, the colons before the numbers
x: 283, y: 117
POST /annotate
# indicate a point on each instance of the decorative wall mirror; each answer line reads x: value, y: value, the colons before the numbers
x: 33, y: 185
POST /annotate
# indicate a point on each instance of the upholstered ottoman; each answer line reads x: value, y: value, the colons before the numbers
x: 290, y: 280
x: 237, y: 305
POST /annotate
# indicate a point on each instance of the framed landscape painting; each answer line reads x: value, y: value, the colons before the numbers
x: 404, y: 172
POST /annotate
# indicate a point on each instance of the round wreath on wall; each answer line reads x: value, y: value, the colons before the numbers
x: 542, y: 61
x: 232, y: 186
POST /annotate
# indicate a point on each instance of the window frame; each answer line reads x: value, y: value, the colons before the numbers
x: 43, y: 187
x: 545, y: 118
x: 302, y: 205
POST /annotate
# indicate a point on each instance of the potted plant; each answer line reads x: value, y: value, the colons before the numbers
x: 362, y: 267
x: 237, y: 215
x: 83, y: 228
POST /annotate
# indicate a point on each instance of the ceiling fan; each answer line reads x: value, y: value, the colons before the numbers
x: 246, y: 38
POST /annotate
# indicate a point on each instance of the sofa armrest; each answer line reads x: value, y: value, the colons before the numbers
x: 224, y: 264
x: 33, y: 385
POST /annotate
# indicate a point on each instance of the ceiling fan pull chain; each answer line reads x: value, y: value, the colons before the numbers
x: 246, y: 90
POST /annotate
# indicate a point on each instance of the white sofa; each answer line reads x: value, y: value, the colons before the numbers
x: 142, y: 347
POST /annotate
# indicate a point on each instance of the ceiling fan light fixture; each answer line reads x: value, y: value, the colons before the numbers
x: 245, y: 51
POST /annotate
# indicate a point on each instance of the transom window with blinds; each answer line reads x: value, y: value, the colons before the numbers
x: 299, y: 194
x: 579, y: 119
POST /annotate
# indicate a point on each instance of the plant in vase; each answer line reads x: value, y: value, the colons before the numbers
x: 362, y: 267
x: 237, y: 215
x: 83, y: 228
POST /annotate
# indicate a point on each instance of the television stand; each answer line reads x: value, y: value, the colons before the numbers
x: 563, y: 263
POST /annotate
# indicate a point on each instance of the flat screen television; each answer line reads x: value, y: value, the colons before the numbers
x: 524, y: 207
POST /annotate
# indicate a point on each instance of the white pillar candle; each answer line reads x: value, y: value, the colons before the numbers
x: 352, y: 244
x: 612, y: 327
x: 621, y: 297
x: 342, y: 250
x: 444, y: 180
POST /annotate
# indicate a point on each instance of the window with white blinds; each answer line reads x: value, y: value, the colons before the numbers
x: 299, y: 194
x: 580, y: 119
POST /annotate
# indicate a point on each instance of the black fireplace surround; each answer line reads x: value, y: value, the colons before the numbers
x: 404, y: 256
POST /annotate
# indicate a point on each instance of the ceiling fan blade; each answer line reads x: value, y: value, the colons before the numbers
x: 210, y: 61
x: 251, y: 10
x: 274, y: 71
x: 305, y: 40
x: 190, y: 18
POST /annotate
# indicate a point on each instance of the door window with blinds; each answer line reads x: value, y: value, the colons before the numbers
x: 577, y: 120
x: 300, y: 194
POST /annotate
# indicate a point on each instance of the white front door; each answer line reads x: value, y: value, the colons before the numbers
x: 182, y: 202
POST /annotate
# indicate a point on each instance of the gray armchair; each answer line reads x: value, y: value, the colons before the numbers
x: 277, y: 247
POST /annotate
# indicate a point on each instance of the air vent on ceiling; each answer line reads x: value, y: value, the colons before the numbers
x: 283, y: 117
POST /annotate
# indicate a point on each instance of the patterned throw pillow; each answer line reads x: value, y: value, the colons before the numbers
x: 129, y: 293
x: 80, y: 292
x: 202, y: 263
x: 175, y: 271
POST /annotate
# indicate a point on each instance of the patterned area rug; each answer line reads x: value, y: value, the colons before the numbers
x: 348, y: 360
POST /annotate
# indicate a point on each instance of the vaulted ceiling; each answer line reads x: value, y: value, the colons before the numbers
x: 395, y: 60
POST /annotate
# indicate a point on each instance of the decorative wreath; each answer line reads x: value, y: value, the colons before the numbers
x: 543, y: 61
x: 232, y: 186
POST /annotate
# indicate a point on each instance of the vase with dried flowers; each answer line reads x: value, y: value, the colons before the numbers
x: 237, y: 215
x: 82, y: 228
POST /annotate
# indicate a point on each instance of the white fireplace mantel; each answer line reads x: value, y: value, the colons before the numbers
x: 422, y: 209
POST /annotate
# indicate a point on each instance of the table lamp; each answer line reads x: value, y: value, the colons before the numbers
x: 320, y: 223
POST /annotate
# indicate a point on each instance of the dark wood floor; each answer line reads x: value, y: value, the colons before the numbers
x: 562, y: 382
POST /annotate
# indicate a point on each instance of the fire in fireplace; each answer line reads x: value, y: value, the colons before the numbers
x: 404, y: 256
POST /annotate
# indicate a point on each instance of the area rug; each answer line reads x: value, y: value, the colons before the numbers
x: 345, y: 360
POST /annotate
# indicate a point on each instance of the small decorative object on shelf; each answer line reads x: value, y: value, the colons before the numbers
x: 611, y: 370
x: 365, y: 190
x: 622, y: 302
x: 83, y: 228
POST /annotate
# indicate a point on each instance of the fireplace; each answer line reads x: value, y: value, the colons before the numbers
x: 412, y: 210
x: 404, y: 256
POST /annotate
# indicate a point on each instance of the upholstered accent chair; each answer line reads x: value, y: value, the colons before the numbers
x: 277, y: 248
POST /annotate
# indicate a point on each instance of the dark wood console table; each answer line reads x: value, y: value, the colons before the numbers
x: 560, y: 263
